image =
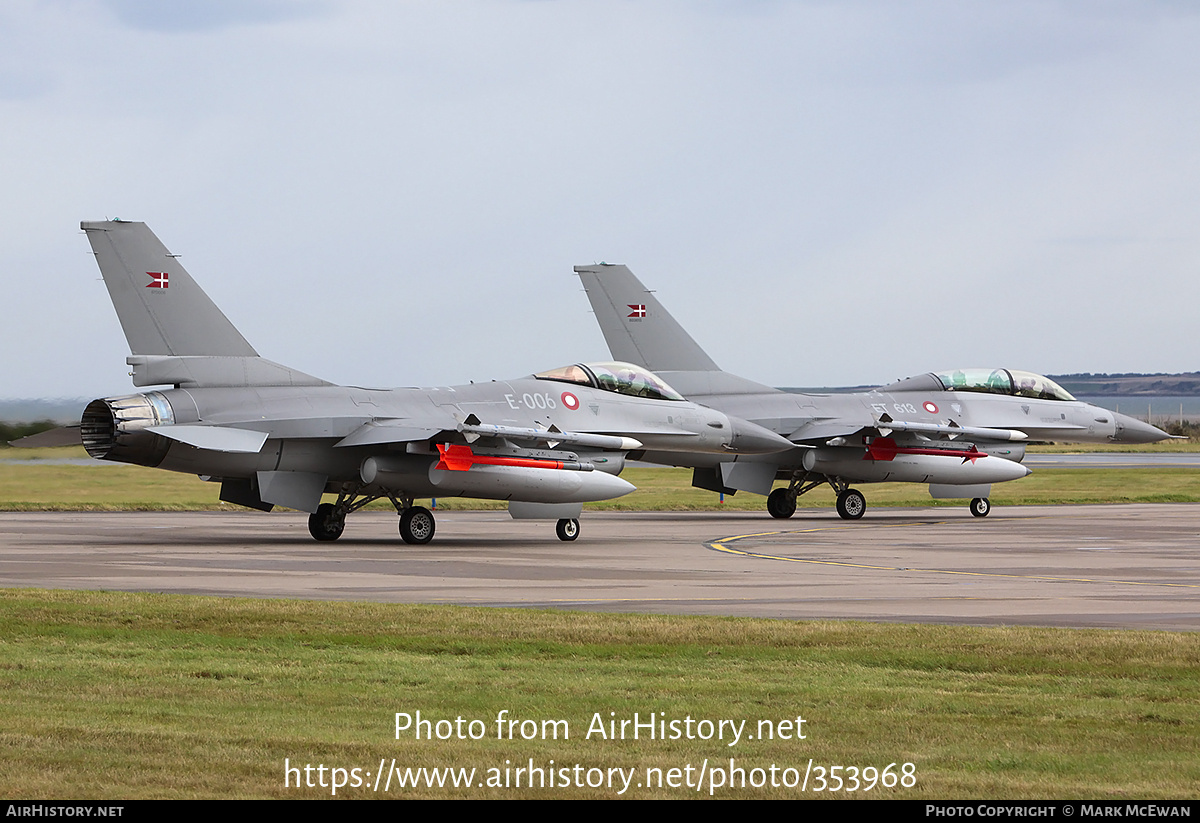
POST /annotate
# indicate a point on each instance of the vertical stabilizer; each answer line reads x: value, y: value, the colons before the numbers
x: 161, y: 309
x: 176, y: 333
x: 636, y: 326
x: 639, y: 330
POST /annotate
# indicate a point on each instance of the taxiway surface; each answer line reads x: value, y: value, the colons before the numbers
x: 1132, y: 566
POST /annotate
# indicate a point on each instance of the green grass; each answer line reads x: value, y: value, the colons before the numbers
x: 107, y: 695
x: 1190, y: 445
x: 108, y: 487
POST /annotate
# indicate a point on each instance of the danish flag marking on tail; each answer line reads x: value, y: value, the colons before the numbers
x: 158, y: 280
x: 639, y: 309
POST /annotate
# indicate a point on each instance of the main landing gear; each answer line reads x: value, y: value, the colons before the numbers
x: 324, y: 524
x: 417, y: 524
x: 781, y: 504
x: 851, y: 505
x: 329, y: 520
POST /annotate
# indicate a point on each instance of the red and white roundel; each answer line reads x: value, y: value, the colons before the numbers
x: 930, y: 406
x: 570, y: 401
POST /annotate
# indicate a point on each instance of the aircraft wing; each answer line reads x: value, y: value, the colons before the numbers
x: 823, y: 430
x: 404, y: 430
x: 381, y: 432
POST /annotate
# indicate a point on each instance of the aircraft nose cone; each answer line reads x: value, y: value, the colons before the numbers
x: 750, y: 438
x: 1132, y: 430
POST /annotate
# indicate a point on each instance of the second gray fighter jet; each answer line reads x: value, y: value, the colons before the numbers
x: 959, y: 430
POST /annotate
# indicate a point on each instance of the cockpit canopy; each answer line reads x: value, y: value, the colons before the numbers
x: 989, y: 381
x: 622, y: 378
x: 1003, y: 381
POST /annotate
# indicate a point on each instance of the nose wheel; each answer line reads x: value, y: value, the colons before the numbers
x: 567, y: 529
x: 980, y: 506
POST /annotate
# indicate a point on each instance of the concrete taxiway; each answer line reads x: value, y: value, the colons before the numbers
x: 1131, y: 566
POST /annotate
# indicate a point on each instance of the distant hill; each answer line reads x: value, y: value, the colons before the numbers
x: 1129, y: 385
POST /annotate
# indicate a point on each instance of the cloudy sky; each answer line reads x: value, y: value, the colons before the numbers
x: 824, y: 193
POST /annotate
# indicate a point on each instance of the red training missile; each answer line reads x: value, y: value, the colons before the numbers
x: 462, y: 458
x: 885, y: 448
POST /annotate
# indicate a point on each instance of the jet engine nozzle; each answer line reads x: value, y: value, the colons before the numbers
x: 114, y: 428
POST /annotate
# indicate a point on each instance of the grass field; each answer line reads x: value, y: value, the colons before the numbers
x: 133, y: 695
x: 98, y: 486
x: 110, y: 695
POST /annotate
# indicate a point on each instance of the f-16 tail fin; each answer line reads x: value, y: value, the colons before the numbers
x: 639, y: 330
x: 175, y: 331
x: 636, y: 326
x: 161, y: 308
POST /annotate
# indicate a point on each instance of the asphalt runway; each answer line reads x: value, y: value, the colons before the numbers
x: 1131, y: 566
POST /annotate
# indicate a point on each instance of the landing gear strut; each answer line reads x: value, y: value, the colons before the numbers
x: 329, y: 520
x: 851, y: 504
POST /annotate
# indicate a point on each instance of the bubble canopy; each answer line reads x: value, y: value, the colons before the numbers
x: 621, y: 378
x: 1003, y: 381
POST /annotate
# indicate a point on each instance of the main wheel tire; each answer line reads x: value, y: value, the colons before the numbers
x: 567, y: 529
x: 851, y: 505
x: 324, y: 524
x: 980, y: 506
x: 780, y: 504
x: 416, y: 525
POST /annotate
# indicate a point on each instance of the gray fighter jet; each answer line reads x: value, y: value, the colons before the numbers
x: 959, y: 431
x: 271, y: 435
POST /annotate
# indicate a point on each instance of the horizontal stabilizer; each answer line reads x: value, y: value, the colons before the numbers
x: 62, y: 436
x: 214, y: 438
